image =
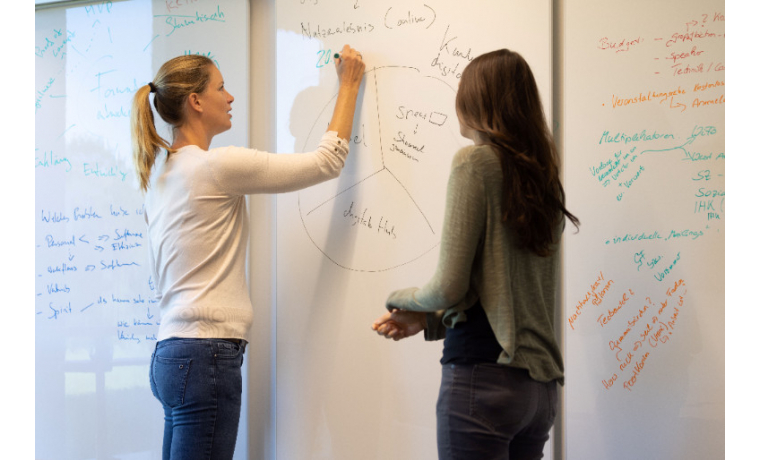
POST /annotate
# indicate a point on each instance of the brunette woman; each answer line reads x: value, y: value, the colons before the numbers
x: 494, y: 293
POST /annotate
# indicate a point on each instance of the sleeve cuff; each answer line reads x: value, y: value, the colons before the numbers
x: 333, y: 141
x: 434, y: 328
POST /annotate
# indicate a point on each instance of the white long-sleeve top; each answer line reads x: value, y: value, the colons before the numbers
x: 198, y: 229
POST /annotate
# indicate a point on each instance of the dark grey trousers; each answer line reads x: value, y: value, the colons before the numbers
x: 492, y: 411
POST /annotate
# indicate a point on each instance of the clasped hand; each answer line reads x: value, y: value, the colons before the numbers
x: 399, y: 324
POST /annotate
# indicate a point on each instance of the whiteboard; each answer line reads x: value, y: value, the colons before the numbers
x: 343, y: 246
x: 95, y: 318
x: 644, y: 136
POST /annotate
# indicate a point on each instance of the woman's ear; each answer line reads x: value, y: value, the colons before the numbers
x: 194, y: 102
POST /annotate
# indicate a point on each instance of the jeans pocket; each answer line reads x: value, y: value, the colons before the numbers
x: 228, y: 350
x: 496, y: 399
x: 169, y: 379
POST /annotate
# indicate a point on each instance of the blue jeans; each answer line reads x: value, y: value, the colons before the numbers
x: 199, y: 383
x: 491, y: 411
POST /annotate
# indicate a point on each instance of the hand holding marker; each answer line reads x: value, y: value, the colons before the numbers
x: 337, y: 55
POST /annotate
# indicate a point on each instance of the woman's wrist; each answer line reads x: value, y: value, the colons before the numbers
x: 424, y: 321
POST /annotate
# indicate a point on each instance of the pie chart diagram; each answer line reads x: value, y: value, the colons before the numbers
x: 386, y: 208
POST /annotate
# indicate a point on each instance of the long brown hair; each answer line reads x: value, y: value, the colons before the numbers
x: 498, y: 98
x: 174, y: 82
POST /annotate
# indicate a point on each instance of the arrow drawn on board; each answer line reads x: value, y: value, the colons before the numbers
x: 680, y: 147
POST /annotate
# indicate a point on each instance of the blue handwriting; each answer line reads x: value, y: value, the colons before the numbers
x: 50, y: 161
x: 177, y: 21
x: 114, y: 264
x: 56, y: 312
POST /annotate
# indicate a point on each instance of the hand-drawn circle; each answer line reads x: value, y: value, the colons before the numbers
x: 386, y: 208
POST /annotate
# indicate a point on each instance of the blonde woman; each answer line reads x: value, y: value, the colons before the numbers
x: 493, y: 296
x: 198, y: 230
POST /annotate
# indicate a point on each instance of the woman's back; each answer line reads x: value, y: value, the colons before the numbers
x: 516, y: 287
x: 196, y: 239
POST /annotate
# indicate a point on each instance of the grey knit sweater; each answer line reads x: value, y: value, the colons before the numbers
x: 479, y: 258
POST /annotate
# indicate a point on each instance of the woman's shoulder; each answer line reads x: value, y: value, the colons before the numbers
x: 228, y: 155
x: 479, y: 157
x: 196, y: 150
x: 187, y: 153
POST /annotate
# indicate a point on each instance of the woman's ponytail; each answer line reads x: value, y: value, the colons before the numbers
x: 146, y: 143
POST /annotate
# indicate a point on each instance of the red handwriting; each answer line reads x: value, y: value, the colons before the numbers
x: 599, y: 296
x: 591, y: 294
x: 680, y: 69
x: 649, y: 96
x: 632, y: 322
x: 628, y: 385
x: 626, y: 361
x: 663, y: 306
x: 676, y: 56
x: 687, y: 50
x: 606, y: 318
x: 688, y: 37
x: 608, y: 383
x: 646, y: 332
x: 674, y: 317
x: 176, y: 4
x: 708, y: 85
x: 659, y: 335
x: 615, y: 344
x: 675, y: 287
x: 653, y: 325
x: 619, y: 46
x: 673, y: 95
x: 697, y: 103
